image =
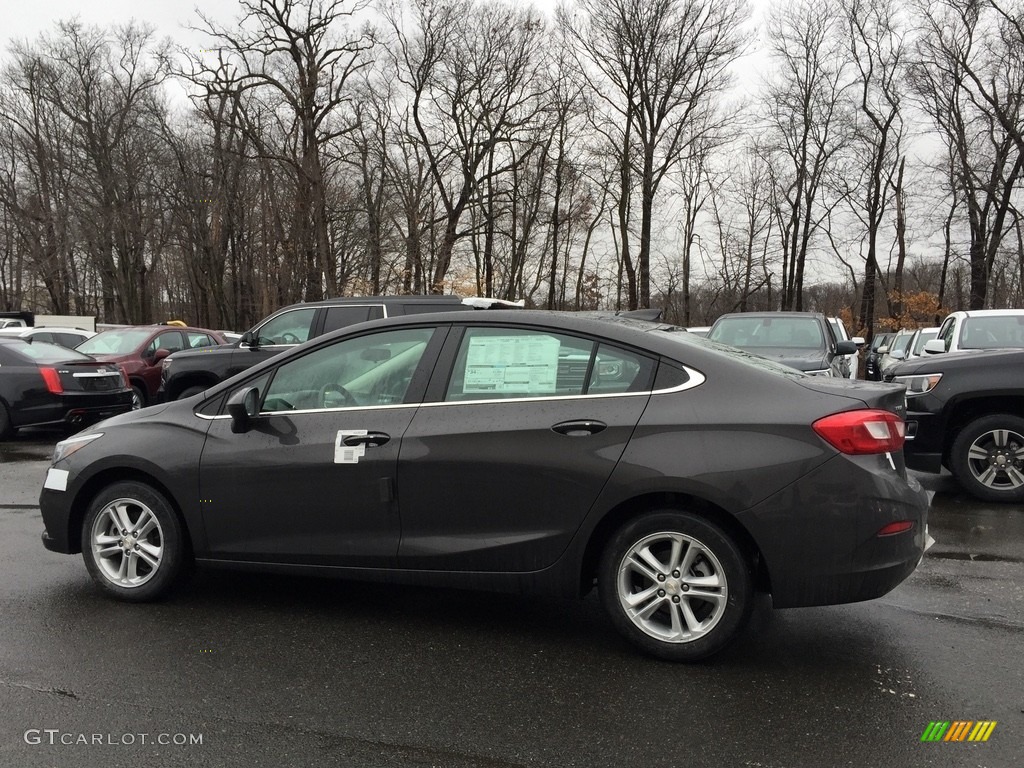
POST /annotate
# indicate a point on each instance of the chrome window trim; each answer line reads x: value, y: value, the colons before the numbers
x: 696, y: 378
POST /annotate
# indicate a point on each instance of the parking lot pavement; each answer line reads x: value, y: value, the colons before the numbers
x: 283, y: 671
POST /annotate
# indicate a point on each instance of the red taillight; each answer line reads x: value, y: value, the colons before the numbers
x: 862, y: 432
x: 52, y: 379
x: 892, y: 529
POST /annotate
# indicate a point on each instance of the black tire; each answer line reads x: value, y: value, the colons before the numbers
x: 189, y: 391
x: 134, y: 503
x: 138, y: 397
x: 7, y: 430
x: 996, y: 470
x: 715, y: 554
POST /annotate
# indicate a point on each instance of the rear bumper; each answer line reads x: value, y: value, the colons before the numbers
x: 819, y: 537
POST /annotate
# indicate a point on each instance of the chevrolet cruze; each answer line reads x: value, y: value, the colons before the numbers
x: 527, y: 452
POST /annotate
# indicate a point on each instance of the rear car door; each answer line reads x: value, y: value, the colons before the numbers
x: 313, y: 480
x: 520, y: 430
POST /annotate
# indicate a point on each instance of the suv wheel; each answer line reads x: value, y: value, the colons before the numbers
x: 675, y: 585
x: 987, y: 458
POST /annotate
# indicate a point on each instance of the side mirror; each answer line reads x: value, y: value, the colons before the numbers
x: 883, y: 350
x: 243, y: 407
x: 249, y: 339
x: 859, y: 341
x: 846, y: 348
x: 159, y: 356
x: 898, y: 354
x: 935, y: 347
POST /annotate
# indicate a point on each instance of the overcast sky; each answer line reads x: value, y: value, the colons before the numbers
x: 26, y: 19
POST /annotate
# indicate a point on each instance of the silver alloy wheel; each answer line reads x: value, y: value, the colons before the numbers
x: 996, y: 459
x: 672, y: 587
x: 136, y: 399
x: 127, y: 543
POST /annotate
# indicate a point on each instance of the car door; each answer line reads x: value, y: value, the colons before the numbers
x: 509, y: 452
x: 313, y: 479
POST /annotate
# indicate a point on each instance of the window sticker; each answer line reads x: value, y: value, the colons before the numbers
x: 348, y: 454
x: 511, y: 364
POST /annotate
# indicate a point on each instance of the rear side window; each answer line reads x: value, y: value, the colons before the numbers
x: 342, y: 317
x: 501, y: 363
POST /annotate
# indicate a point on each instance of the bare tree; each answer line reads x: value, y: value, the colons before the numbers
x: 297, y: 54
x: 806, y: 125
x: 658, y: 64
x: 963, y: 45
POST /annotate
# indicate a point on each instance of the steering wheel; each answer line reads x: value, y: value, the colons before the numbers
x: 346, y: 397
x: 289, y: 338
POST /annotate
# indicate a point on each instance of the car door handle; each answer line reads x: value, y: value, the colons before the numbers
x: 582, y: 428
x: 370, y: 438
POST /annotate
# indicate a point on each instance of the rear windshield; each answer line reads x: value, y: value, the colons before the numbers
x: 44, y: 352
x: 117, y: 342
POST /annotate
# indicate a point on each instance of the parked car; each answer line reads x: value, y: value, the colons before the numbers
x: 64, y: 337
x: 871, y: 369
x: 528, y: 452
x: 43, y: 383
x: 699, y: 330
x: 141, y: 349
x: 801, y: 340
x: 188, y: 373
x: 979, y: 329
x: 965, y: 412
x: 895, y: 352
x: 841, y: 334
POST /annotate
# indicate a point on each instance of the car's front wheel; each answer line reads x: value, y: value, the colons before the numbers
x: 987, y: 458
x: 676, y: 585
x: 133, y: 542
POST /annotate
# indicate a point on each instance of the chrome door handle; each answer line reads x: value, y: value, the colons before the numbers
x: 581, y: 428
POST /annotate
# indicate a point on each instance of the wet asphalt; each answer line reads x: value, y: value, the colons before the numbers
x: 282, y: 671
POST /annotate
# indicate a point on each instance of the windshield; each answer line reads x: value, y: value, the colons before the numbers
x: 43, y: 352
x: 122, y: 341
x: 801, y: 333
x: 999, y: 332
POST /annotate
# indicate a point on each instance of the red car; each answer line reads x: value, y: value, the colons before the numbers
x: 141, y: 348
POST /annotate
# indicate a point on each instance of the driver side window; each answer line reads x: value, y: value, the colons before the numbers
x: 288, y: 328
x: 367, y: 371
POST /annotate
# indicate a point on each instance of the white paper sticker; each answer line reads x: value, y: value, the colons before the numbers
x: 56, y: 479
x: 348, y: 454
x: 512, y: 365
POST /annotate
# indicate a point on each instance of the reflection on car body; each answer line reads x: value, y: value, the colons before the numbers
x: 676, y: 474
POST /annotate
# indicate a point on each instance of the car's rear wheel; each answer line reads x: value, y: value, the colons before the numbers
x: 133, y: 543
x: 987, y: 458
x: 675, y: 585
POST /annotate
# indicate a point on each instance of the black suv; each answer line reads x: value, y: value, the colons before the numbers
x: 801, y: 340
x: 965, y: 412
x: 187, y: 373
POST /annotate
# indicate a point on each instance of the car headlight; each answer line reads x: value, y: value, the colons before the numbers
x: 920, y: 384
x: 67, y: 447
